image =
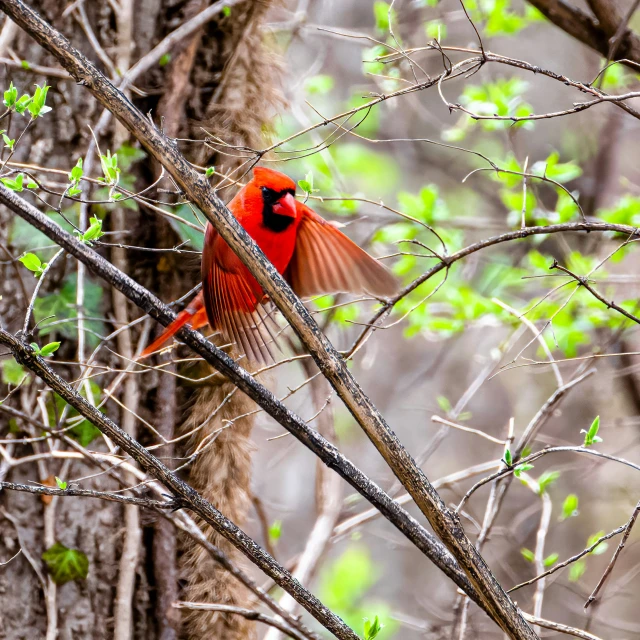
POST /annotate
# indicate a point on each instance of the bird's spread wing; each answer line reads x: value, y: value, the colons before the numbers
x: 326, y: 261
x: 233, y: 302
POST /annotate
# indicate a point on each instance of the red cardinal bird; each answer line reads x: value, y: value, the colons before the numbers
x: 313, y: 256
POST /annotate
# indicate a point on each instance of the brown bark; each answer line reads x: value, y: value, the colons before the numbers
x: 222, y: 473
x: 165, y: 567
x: 589, y: 31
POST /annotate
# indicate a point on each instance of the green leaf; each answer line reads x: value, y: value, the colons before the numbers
x: 307, y: 184
x: 372, y: 629
x: 347, y: 578
x: 522, y: 468
x: 371, y: 123
x: 547, y: 479
x: 444, y: 403
x: 503, y: 97
x: 550, y: 560
x: 61, y: 303
x: 615, y: 77
x: 65, y: 564
x: 94, y: 232
x: 226, y: 11
x: 435, y: 30
x: 591, y: 436
x: 12, y: 372
x: 25, y: 64
x: 61, y: 483
x: 319, y: 84
x: 196, y: 238
x: 507, y: 457
x: 10, y: 96
x: 344, y: 586
x: 558, y: 171
x: 164, y: 60
x: 538, y: 260
x: 109, y: 164
x: 31, y: 261
x: 84, y: 433
x: 569, y: 507
x: 128, y: 156
x: 528, y: 555
x: 381, y: 15
x: 49, y: 349
x: 8, y: 142
x: 602, y: 547
x: 209, y: 172
x: 76, y: 173
x: 577, y: 570
x: 22, y: 104
x: 37, y: 105
x: 426, y: 206
x: 14, y: 185
x: 275, y: 531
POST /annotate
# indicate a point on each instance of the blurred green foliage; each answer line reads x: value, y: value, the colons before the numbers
x: 61, y: 305
x: 344, y: 585
x: 347, y: 170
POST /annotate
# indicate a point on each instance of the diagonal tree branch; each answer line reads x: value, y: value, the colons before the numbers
x: 583, y: 281
x: 583, y: 27
x: 607, y: 14
x: 445, y: 522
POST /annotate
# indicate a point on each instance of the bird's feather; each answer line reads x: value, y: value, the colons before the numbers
x: 326, y: 261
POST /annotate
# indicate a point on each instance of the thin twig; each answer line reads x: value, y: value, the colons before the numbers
x: 571, y: 560
x: 249, y: 614
x: 560, y: 628
x: 583, y: 282
x: 461, y: 427
x: 88, y: 493
x: 614, y: 558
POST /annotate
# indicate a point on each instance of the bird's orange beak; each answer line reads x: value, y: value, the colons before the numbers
x: 286, y: 206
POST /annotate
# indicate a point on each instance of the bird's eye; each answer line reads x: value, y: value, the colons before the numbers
x: 269, y: 195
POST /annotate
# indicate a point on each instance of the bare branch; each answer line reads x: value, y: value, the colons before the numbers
x: 250, y: 614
